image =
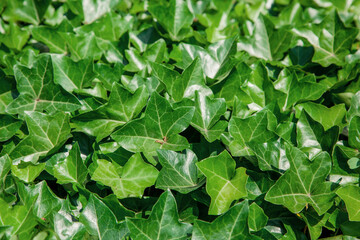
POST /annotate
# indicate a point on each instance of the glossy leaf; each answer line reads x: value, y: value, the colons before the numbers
x: 128, y: 181
x: 179, y: 171
x: 350, y: 195
x: 8, y: 127
x: 158, y: 129
x: 163, y: 222
x: 304, y: 183
x: 224, y: 183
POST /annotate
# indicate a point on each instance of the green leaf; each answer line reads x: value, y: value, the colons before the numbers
x: 5, y: 167
x: 207, y: 116
x: 15, y: 37
x: 178, y: 171
x: 46, y: 133
x: 158, y: 129
x: 28, y: 11
x: 51, y: 37
x: 327, y: 117
x: 293, y: 88
x: 256, y: 128
x: 257, y: 218
x: 27, y: 172
x: 8, y: 127
x: 350, y: 195
x: 175, y: 17
x: 331, y: 39
x: 72, y: 169
x: 72, y: 75
x: 122, y: 107
x: 266, y: 42
x: 304, y: 183
x: 216, y: 60
x: 128, y: 181
x: 37, y: 90
x: 94, y: 9
x: 231, y: 225
x: 100, y: 221
x: 354, y: 132
x: 163, y: 222
x: 19, y: 217
x: 224, y: 183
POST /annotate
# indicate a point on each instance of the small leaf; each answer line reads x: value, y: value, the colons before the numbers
x: 178, y: 171
x: 351, y: 196
x: 72, y: 169
x: 8, y: 127
x: 128, y: 181
x: 163, y: 222
x: 224, y: 183
x: 257, y: 218
x: 100, y: 221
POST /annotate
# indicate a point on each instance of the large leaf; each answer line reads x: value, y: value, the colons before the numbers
x: 159, y: 127
x: 37, y: 90
x: 100, y: 221
x: 179, y: 171
x: 350, y: 195
x: 163, y: 222
x: 224, y: 183
x: 304, y: 183
x: 128, y: 181
x: 46, y: 133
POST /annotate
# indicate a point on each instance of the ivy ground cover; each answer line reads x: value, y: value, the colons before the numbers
x: 180, y: 119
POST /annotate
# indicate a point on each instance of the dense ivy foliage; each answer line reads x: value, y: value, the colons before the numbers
x: 180, y: 119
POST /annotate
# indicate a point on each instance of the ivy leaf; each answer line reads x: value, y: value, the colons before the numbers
x: 350, y: 195
x: 5, y: 167
x: 121, y: 108
x: 257, y: 218
x: 28, y: 11
x: 72, y: 75
x: 128, y: 181
x: 100, y: 221
x: 8, y: 127
x: 175, y: 17
x: 158, y: 129
x: 231, y: 225
x: 224, y: 183
x: 46, y: 133
x: 267, y: 42
x: 72, y: 169
x: 256, y: 128
x: 37, y: 90
x: 27, y: 172
x: 163, y: 222
x: 178, y: 171
x: 207, y: 116
x: 15, y: 37
x: 331, y: 39
x: 185, y: 85
x: 354, y: 131
x: 304, y: 183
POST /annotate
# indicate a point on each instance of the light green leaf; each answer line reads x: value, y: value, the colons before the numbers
x: 178, y: 172
x: 5, y: 167
x: 27, y: 172
x: 100, y: 221
x: 224, y: 183
x: 72, y: 169
x: 207, y: 116
x: 257, y: 218
x: 37, y: 90
x: 15, y: 37
x: 46, y: 133
x: 304, y: 183
x: 158, y: 129
x: 128, y: 181
x: 163, y: 222
x: 351, y: 196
